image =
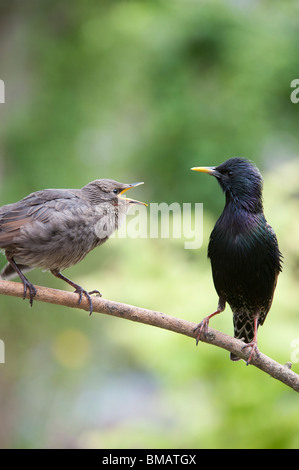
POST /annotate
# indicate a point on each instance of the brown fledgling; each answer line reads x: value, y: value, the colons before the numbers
x: 54, y: 229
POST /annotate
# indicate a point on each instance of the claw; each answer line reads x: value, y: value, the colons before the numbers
x: 254, y: 349
x: 97, y: 292
x: 202, y: 328
x: 31, y: 290
x: 79, y: 290
x: 26, y: 283
x: 204, y: 324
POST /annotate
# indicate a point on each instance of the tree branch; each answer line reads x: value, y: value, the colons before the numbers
x: 158, y: 319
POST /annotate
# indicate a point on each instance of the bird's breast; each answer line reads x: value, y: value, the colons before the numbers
x: 106, y: 220
x: 244, y: 261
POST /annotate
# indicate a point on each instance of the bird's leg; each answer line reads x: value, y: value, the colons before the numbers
x: 78, y: 289
x: 26, y: 283
x: 253, y: 343
x: 202, y: 327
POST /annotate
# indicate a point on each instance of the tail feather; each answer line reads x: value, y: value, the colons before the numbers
x: 243, y: 329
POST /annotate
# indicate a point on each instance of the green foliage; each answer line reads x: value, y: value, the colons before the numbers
x: 142, y: 91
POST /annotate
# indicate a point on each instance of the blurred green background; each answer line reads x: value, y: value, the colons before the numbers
x: 142, y: 91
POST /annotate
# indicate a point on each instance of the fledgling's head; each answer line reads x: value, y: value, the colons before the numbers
x: 240, y: 180
x: 107, y: 190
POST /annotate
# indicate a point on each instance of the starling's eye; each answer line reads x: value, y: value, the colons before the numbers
x: 115, y: 191
x: 230, y: 173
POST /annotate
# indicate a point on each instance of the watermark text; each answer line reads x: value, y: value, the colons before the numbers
x: 295, y: 93
x: 2, y: 91
x: 170, y: 221
x: 2, y: 352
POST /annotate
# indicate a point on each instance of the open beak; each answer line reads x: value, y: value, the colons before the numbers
x: 211, y: 170
x: 134, y: 201
x: 131, y: 201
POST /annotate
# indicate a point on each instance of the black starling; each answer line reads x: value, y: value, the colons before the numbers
x: 243, y: 250
x: 54, y: 229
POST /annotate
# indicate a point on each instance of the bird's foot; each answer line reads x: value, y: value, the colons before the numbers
x: 26, y: 283
x: 202, y: 328
x: 31, y: 290
x: 254, y: 350
x: 79, y: 290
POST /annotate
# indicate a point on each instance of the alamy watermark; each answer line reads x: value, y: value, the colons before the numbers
x: 171, y: 221
x: 2, y: 352
x: 2, y: 91
x: 295, y: 351
x: 295, y: 93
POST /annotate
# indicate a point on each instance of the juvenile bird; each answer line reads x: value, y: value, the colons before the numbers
x: 243, y: 250
x: 54, y: 229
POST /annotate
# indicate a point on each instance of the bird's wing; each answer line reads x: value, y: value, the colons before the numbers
x: 39, y: 206
x: 274, y: 249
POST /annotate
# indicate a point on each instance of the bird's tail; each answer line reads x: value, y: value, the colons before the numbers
x: 9, y: 273
x: 243, y: 329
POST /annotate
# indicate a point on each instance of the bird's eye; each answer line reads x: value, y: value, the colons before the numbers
x: 230, y: 173
x: 115, y: 191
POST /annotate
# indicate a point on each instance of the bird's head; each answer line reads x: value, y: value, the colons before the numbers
x: 240, y: 180
x: 106, y: 190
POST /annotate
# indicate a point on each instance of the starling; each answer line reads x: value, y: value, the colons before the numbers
x: 53, y: 229
x: 243, y: 250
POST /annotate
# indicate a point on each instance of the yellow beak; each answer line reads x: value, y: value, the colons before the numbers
x: 133, y: 185
x: 131, y: 201
x: 205, y: 169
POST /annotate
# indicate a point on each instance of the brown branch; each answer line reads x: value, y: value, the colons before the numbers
x: 158, y: 319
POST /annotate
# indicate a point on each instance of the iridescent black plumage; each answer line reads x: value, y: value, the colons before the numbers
x: 243, y: 250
